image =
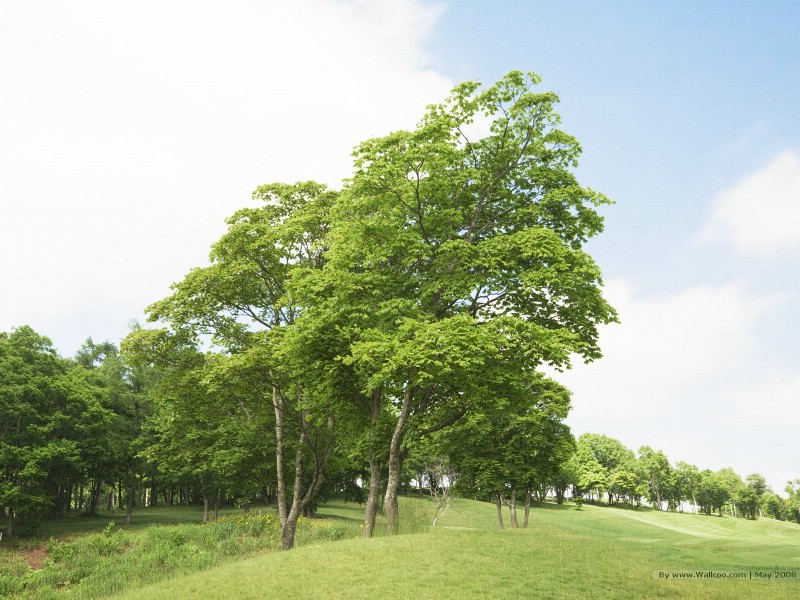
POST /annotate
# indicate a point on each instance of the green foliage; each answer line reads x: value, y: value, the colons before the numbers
x: 750, y: 497
x: 59, y: 423
x: 660, y: 477
x: 517, y: 444
x: 793, y: 502
x: 775, y: 507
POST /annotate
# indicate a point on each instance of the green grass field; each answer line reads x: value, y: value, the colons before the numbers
x: 597, y: 552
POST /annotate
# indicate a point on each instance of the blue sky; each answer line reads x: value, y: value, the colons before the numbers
x: 131, y: 131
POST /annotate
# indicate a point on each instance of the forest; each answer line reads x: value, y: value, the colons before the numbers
x: 359, y: 343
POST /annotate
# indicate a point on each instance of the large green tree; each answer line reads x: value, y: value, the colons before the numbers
x: 456, y: 258
x: 243, y: 302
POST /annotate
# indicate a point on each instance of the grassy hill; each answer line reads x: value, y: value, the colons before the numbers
x: 595, y: 552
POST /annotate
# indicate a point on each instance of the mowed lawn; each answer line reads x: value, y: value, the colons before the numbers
x: 597, y: 552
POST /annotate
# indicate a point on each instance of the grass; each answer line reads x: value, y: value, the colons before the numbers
x: 565, y: 553
x: 94, y: 565
x: 598, y: 552
x: 416, y: 514
x: 71, y: 526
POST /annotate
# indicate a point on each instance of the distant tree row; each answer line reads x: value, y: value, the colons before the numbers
x: 604, y: 467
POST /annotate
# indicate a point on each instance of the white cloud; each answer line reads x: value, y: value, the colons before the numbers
x: 665, y: 347
x: 669, y: 375
x: 760, y: 214
x: 131, y: 130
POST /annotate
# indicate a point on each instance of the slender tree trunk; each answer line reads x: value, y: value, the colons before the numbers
x: 290, y: 525
x: 10, y: 526
x: 129, y: 510
x: 498, y: 500
x: 205, y: 508
x: 97, y: 488
x: 301, y: 500
x: 512, y: 507
x: 280, y: 461
x: 395, y: 465
x: 527, y: 506
x: 372, y: 498
x: 371, y: 509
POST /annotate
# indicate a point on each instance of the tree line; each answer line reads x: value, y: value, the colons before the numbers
x: 603, y: 468
x: 100, y: 430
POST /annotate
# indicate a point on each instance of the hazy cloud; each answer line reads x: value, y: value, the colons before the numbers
x: 760, y: 214
x: 131, y: 130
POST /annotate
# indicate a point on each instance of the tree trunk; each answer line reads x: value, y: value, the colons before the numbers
x: 527, y: 506
x: 288, y: 531
x: 512, y: 507
x: 280, y: 461
x: 10, y: 528
x: 499, y: 502
x: 371, y: 509
x: 205, y: 508
x: 129, y: 510
x: 97, y: 487
x: 372, y: 498
x: 301, y: 500
x: 290, y: 525
x: 395, y: 465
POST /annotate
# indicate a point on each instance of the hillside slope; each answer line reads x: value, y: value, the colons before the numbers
x: 565, y: 553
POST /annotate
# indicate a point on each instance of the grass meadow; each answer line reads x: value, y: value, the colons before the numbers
x: 597, y: 551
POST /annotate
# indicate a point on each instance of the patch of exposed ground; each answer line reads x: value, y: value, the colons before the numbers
x: 35, y: 556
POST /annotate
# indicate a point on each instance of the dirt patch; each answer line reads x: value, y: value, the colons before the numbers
x: 35, y: 556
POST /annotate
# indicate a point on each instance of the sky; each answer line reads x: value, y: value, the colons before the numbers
x: 130, y: 131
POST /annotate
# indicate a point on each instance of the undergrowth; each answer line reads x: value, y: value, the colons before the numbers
x: 101, y: 564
